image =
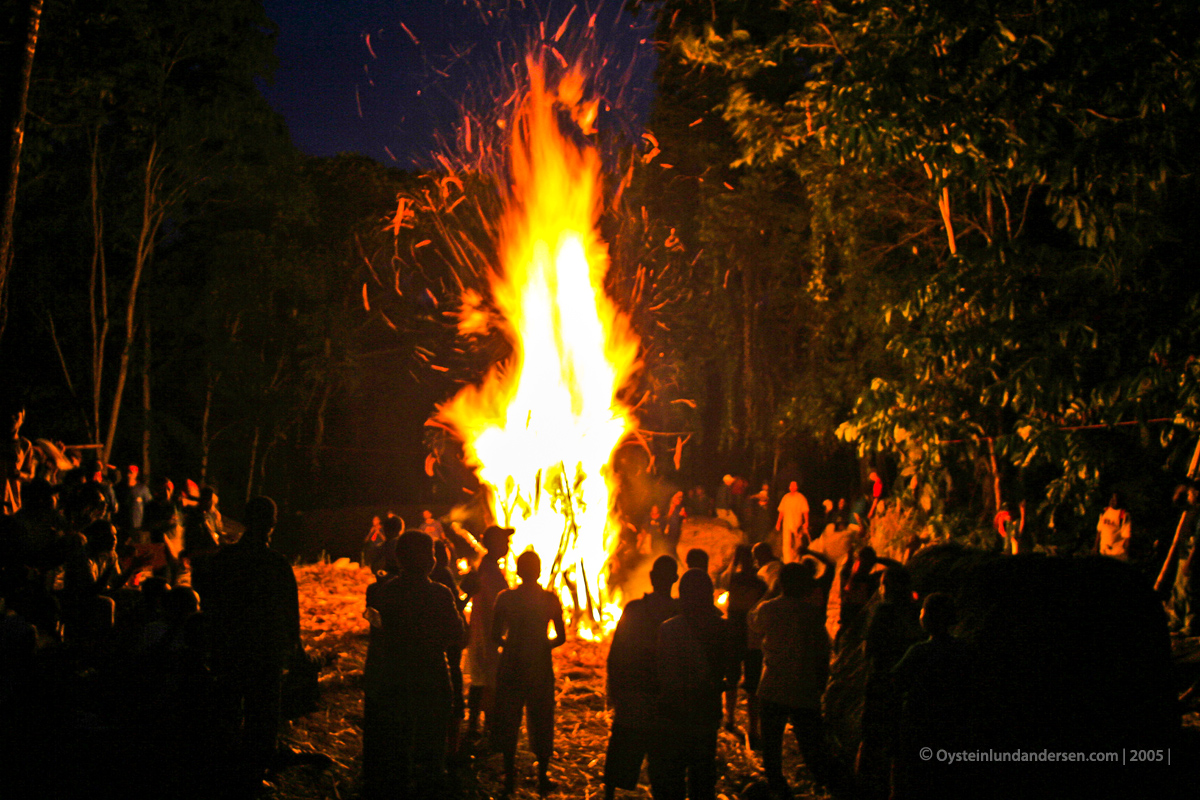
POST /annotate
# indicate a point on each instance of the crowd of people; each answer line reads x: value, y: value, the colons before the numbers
x: 136, y: 618
x: 136, y: 607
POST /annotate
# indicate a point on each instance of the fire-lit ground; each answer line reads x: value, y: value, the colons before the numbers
x: 331, y: 606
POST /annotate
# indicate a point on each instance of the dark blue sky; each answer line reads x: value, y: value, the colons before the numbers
x: 390, y: 79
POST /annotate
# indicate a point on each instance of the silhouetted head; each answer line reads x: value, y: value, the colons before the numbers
x: 414, y: 552
x: 663, y: 574
x: 697, y: 558
x: 866, y: 556
x: 495, y: 539
x: 101, y: 536
x: 1117, y: 501
x: 161, y: 488
x: 38, y: 495
x: 938, y: 615
x: 896, y: 585
x: 208, y: 498
x: 529, y: 567
x: 261, y: 515
x: 441, y: 553
x: 695, y: 590
x: 796, y: 579
x: 393, y: 526
x: 763, y: 554
x: 154, y: 590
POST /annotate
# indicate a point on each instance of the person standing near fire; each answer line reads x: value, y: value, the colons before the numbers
x: 793, y: 522
x: 525, y: 674
x: 482, y: 585
x: 409, y: 701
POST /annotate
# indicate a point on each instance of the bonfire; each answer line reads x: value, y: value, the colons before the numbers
x: 541, y: 428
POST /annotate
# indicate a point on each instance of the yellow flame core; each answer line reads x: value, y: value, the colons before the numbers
x: 541, y: 429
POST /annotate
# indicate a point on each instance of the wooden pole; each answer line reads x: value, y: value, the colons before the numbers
x: 1173, y: 552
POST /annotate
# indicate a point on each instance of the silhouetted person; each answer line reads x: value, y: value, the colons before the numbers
x: 697, y: 558
x: 251, y: 601
x: 380, y: 552
x: 746, y: 589
x: 768, y: 565
x: 482, y: 585
x: 858, y: 582
x: 795, y: 645
x: 633, y: 679
x: 16, y: 456
x: 693, y: 649
x: 931, y: 680
x: 673, y: 530
x: 525, y: 678
x: 409, y: 695
x: 443, y: 573
x: 893, y: 627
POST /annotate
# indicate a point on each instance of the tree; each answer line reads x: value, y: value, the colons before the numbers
x: 1024, y: 170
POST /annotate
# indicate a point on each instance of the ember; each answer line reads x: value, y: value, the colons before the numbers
x: 541, y: 428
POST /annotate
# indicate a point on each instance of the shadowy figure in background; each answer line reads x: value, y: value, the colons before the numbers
x: 858, y: 583
x: 697, y: 558
x: 746, y: 589
x: 380, y: 552
x: 16, y: 456
x: 525, y: 677
x: 443, y: 573
x: 768, y: 565
x: 482, y: 585
x: 693, y: 649
x: 893, y: 627
x: 251, y: 601
x: 795, y: 645
x: 633, y: 681
x: 1113, y: 530
x: 931, y: 681
x: 676, y: 514
x: 408, y: 704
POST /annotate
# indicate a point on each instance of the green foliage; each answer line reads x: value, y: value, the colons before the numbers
x: 1003, y: 191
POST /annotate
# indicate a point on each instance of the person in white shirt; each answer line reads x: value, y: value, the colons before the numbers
x: 793, y: 522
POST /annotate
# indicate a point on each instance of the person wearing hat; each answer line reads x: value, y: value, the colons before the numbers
x: 482, y: 585
x: 632, y: 681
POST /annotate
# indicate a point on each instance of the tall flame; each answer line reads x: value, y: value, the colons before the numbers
x: 541, y: 428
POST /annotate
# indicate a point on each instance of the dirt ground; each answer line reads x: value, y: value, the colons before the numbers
x: 332, y: 604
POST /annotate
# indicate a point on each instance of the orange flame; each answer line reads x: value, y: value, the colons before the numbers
x: 541, y: 428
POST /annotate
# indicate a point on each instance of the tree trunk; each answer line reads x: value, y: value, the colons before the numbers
x: 146, y: 417
x: 210, y: 384
x: 253, y: 462
x: 12, y: 108
x: 749, y: 384
x: 152, y: 214
x: 97, y: 284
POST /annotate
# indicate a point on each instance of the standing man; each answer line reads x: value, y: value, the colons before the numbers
x: 132, y: 497
x: 525, y: 678
x: 253, y: 608
x: 793, y: 523
x: 16, y: 457
x: 795, y: 648
x: 432, y: 527
x: 632, y: 682
x: 483, y: 585
x: 693, y: 653
x: 409, y: 698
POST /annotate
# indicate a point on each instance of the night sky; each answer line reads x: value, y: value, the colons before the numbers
x: 390, y: 79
